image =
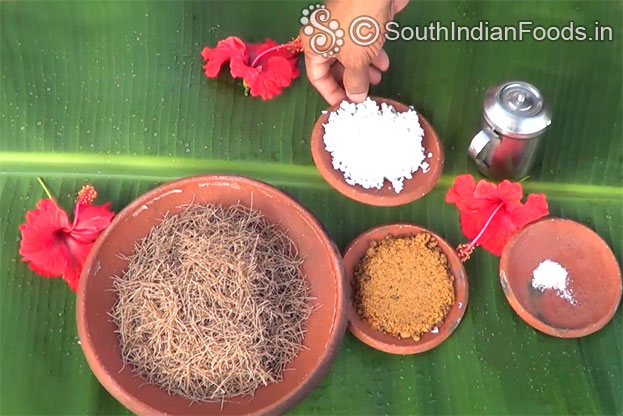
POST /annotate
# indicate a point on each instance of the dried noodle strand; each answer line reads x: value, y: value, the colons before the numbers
x: 213, y: 304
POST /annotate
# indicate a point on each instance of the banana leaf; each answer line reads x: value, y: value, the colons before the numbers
x: 112, y: 93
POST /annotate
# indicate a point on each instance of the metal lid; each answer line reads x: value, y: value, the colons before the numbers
x: 516, y: 109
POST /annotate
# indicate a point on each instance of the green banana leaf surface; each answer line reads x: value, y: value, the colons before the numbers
x: 112, y: 93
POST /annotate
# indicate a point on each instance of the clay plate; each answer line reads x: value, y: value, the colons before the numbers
x: 322, y: 266
x: 388, y: 343
x: 594, y: 277
x: 414, y: 188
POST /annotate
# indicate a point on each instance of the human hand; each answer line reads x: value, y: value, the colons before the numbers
x: 349, y: 73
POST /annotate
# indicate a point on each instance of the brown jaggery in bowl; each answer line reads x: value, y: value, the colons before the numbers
x: 389, y: 343
x: 414, y: 188
x: 322, y: 267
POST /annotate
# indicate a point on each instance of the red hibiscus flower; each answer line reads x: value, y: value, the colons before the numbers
x: 53, y: 246
x: 490, y: 214
x: 266, y: 68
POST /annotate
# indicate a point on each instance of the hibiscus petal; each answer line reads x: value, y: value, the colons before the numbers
x: 273, y: 75
x: 78, y: 252
x: 535, y: 208
x: 294, y: 63
x: 500, y: 229
x: 240, y: 69
x: 462, y: 194
x: 288, y: 51
x: 461, y: 191
x: 486, y: 190
x: 49, y: 246
x: 254, y: 49
x: 472, y: 220
x: 91, y: 221
x: 477, y: 203
x: 231, y: 49
x: 42, y: 239
x: 510, y: 193
x: 266, y: 67
x: 53, y: 268
x: 72, y: 277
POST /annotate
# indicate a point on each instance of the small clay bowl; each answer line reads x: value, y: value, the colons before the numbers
x: 414, y: 188
x: 322, y: 267
x: 594, y: 277
x: 388, y: 343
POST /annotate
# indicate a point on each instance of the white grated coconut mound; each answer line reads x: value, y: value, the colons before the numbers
x: 369, y: 144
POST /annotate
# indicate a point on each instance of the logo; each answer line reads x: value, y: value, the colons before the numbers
x: 326, y: 36
x: 364, y: 31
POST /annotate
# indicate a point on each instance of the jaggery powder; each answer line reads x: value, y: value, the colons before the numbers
x: 404, y: 286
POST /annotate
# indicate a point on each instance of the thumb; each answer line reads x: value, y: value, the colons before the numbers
x: 356, y: 83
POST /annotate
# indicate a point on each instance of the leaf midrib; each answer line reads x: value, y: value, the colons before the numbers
x: 160, y: 168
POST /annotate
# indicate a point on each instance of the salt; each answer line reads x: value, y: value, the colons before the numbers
x: 550, y: 275
x: 370, y: 143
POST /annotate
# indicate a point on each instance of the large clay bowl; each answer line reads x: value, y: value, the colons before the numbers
x: 388, y: 343
x: 322, y: 267
x: 594, y: 276
x: 414, y: 188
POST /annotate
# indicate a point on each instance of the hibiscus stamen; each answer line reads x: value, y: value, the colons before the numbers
x: 86, y: 195
x: 294, y: 46
x: 464, y: 251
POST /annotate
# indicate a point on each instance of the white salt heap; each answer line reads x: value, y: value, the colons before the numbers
x: 370, y: 144
x: 550, y: 275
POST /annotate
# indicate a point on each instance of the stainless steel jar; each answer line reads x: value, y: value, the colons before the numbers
x: 515, y: 117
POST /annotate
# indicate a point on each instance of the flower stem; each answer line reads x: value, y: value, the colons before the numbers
x: 465, y: 250
x: 45, y: 188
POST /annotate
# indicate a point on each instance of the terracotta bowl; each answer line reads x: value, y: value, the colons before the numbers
x: 322, y: 266
x: 414, y: 188
x: 594, y: 277
x: 388, y: 343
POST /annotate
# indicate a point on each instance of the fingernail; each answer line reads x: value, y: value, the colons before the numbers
x: 357, y: 98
